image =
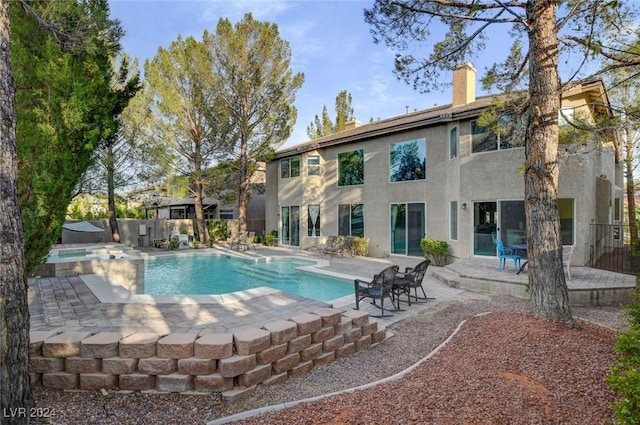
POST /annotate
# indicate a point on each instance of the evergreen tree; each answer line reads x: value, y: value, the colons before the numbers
x: 344, y: 114
x: 258, y: 90
x: 188, y: 120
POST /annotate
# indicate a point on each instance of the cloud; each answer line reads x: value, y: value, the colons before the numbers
x: 235, y: 10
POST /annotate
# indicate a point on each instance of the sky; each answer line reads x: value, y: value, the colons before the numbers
x: 330, y: 43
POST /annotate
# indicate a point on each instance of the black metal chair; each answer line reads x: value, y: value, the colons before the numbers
x: 379, y: 288
x: 412, y: 279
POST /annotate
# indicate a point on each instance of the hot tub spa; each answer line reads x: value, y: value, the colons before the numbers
x: 121, y: 264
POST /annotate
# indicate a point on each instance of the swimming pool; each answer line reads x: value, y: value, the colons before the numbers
x: 213, y: 274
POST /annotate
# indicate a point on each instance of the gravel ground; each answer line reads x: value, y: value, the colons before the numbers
x: 500, y: 368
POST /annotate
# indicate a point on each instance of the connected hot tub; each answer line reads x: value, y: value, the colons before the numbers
x: 121, y: 264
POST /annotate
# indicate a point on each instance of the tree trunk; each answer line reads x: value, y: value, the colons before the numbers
x: 203, y: 235
x: 243, y: 195
x: 547, y: 284
x: 15, y: 386
x: 631, y: 190
x: 111, y: 195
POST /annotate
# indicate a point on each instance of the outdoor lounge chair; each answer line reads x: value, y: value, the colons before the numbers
x: 379, y: 288
x: 181, y: 239
x: 238, y: 240
x: 567, y: 259
x: 246, y: 241
x: 412, y: 279
x: 334, y: 246
x: 505, y: 254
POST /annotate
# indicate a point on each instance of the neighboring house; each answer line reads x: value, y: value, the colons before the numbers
x: 438, y: 174
x: 155, y: 201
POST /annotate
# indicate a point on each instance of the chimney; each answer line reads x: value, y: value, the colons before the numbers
x: 464, y: 84
x: 349, y: 125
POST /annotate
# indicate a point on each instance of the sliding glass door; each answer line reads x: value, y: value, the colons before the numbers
x: 290, y: 227
x: 407, y: 222
x: 512, y: 223
x: 504, y: 220
x: 485, y: 227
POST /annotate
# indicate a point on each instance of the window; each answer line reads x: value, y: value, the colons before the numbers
x: 453, y: 220
x: 313, y: 165
x: 502, y: 137
x: 351, y: 220
x: 617, y: 210
x: 408, y: 160
x: 289, y: 167
x: 313, y: 221
x: 453, y: 143
x: 567, y: 218
x: 226, y: 214
x: 482, y: 140
x: 565, y: 115
x: 178, y: 213
x: 351, y: 168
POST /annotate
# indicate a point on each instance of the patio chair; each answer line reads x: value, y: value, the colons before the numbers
x: 232, y: 238
x: 247, y: 241
x: 334, y: 246
x: 505, y: 254
x: 566, y: 261
x: 239, y: 240
x: 378, y: 289
x: 412, y: 279
x: 181, y: 239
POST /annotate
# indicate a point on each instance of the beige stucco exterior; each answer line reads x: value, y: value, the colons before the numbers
x: 589, y: 178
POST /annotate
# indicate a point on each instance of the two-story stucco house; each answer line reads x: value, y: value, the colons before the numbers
x: 439, y: 174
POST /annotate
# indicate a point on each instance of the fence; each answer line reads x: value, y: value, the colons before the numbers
x: 142, y: 232
x: 611, y: 249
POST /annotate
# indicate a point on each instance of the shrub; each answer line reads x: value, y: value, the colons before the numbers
x: 435, y: 250
x: 270, y: 238
x: 217, y: 229
x: 173, y: 244
x: 624, y: 377
x: 360, y: 246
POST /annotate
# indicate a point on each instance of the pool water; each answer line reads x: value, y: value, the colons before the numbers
x: 212, y: 275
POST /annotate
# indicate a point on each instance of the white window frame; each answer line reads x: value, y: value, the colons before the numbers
x: 313, y: 166
x: 453, y: 143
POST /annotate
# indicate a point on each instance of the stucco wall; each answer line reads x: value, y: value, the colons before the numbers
x: 488, y: 176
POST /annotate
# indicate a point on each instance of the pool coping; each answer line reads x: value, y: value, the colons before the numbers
x: 109, y: 292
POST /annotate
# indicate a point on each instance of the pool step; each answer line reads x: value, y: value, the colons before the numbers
x: 256, y: 273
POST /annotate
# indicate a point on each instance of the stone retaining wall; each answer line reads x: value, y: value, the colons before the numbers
x: 185, y: 362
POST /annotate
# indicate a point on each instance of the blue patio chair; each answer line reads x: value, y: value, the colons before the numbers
x: 505, y: 254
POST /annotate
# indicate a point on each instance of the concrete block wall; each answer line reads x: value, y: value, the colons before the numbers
x: 185, y: 362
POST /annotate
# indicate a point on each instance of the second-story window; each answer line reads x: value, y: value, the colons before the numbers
x: 408, y: 160
x: 453, y: 142
x: 313, y: 165
x: 500, y: 136
x: 290, y: 167
x: 351, y: 168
